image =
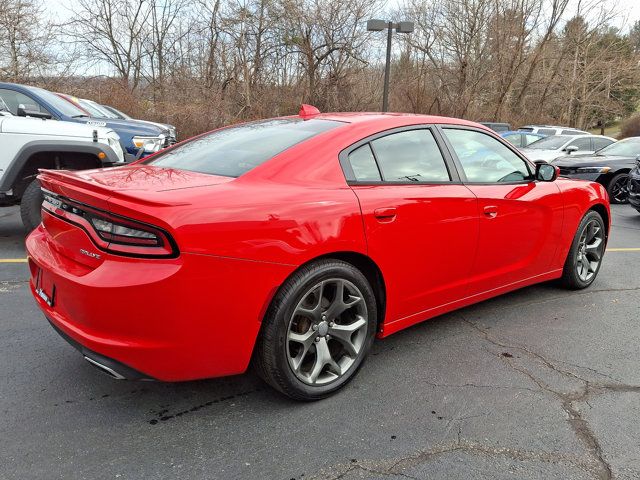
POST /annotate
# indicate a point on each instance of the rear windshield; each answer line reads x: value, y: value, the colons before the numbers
x: 232, y: 151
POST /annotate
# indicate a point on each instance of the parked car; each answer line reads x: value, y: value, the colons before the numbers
x: 548, y: 130
x: 633, y: 187
x: 114, y: 113
x: 497, y: 126
x: 609, y: 167
x: 140, y: 146
x: 29, y: 144
x: 521, y: 139
x: 550, y: 148
x: 27, y: 101
x: 288, y: 241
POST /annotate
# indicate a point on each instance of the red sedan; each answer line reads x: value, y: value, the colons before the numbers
x: 291, y: 243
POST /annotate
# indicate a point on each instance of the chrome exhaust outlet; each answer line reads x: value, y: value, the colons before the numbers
x: 103, y: 368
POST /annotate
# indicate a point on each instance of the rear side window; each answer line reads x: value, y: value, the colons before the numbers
x: 232, y: 151
x: 364, y: 165
x: 412, y: 155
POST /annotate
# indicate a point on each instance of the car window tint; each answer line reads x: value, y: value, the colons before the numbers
x: 571, y: 132
x: 232, y: 151
x: 546, y: 131
x: 583, y: 144
x: 599, y: 143
x: 484, y: 159
x: 412, y: 155
x: 13, y: 100
x: 364, y: 165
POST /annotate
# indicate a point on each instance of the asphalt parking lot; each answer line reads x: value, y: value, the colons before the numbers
x: 541, y: 383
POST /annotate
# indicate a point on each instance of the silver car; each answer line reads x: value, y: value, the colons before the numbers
x: 550, y: 148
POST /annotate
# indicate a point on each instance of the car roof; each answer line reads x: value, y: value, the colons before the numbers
x: 392, y: 119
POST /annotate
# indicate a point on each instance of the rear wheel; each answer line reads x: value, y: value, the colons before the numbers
x: 618, y: 188
x: 317, y: 331
x: 31, y: 205
x: 585, y: 256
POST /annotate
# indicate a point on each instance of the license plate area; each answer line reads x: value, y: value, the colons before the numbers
x: 45, y: 287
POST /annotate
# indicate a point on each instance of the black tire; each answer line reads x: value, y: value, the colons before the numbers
x: 570, y: 275
x: 31, y: 205
x: 272, y: 357
x: 614, y: 195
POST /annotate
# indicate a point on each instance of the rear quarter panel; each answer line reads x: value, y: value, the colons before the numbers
x: 278, y: 223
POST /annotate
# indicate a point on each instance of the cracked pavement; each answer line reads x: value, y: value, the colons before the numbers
x: 541, y: 383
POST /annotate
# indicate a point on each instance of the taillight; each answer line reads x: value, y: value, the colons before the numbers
x: 111, y: 232
x: 115, y: 232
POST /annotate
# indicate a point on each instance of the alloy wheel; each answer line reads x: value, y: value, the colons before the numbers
x: 619, y: 190
x: 327, y: 331
x: 590, y: 250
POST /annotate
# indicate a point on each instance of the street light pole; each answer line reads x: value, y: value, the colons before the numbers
x: 387, y: 68
x: 377, y: 26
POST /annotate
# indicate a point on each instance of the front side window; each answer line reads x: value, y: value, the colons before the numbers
x: 13, y: 100
x: 484, y: 159
x: 232, y: 151
x: 412, y: 155
x: 583, y: 144
x: 553, y: 142
x: 529, y: 139
x: 515, y: 138
x: 599, y: 143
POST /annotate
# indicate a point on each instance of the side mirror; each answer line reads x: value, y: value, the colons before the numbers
x: 570, y: 149
x: 23, y: 112
x: 545, y: 172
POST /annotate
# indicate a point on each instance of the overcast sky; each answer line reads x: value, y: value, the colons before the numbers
x: 629, y: 9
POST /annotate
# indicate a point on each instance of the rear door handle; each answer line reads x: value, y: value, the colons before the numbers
x: 491, y: 211
x: 385, y: 215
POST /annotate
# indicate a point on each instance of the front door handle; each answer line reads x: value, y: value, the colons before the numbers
x: 491, y: 211
x: 385, y: 215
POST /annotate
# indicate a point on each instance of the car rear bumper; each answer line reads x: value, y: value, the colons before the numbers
x: 191, y: 317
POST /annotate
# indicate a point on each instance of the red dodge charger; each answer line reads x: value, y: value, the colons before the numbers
x: 291, y: 243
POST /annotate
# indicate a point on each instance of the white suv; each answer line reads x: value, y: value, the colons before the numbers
x: 29, y: 144
x: 552, y: 130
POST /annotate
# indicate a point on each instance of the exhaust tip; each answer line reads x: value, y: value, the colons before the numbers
x: 103, y: 368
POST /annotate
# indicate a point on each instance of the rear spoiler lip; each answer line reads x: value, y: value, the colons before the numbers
x: 68, y: 177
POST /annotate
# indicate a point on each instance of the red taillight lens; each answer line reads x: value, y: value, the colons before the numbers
x: 110, y: 232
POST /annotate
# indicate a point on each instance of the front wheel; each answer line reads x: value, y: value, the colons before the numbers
x: 317, y: 331
x: 31, y: 205
x: 618, y: 188
x: 585, y: 255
